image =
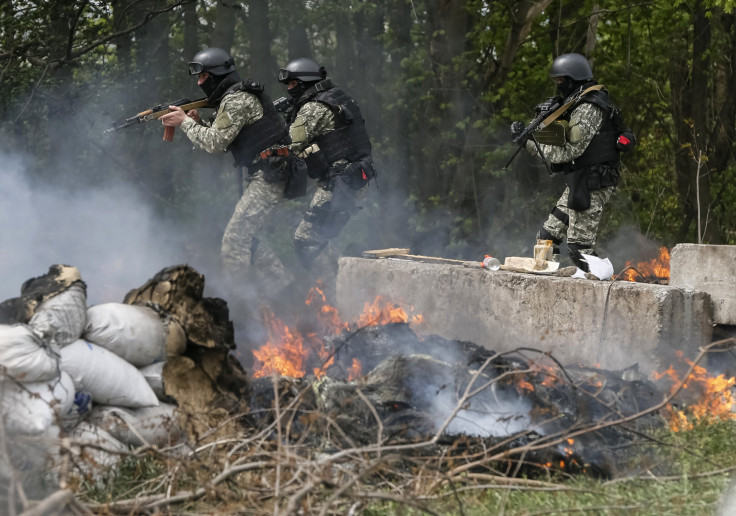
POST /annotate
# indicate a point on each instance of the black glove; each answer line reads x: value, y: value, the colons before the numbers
x: 548, y: 105
x: 626, y: 141
x: 516, y: 129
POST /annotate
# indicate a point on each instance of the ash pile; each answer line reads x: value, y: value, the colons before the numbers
x: 85, y: 387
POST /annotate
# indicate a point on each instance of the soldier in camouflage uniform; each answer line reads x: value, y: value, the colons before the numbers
x: 328, y: 132
x: 588, y: 155
x: 247, y: 125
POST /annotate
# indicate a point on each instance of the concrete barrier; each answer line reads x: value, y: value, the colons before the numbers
x: 613, y: 324
x: 711, y: 269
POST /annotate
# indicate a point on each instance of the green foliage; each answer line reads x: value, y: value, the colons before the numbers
x: 439, y: 86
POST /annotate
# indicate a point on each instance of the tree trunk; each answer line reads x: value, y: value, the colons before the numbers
x: 262, y: 64
x: 224, y: 30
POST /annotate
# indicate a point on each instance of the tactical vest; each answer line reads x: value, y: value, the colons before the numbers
x: 602, y: 148
x: 261, y: 134
x: 349, y: 140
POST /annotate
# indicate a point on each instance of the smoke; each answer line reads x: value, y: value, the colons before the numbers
x: 110, y: 234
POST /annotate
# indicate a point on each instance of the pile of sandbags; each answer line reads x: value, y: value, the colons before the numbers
x: 94, y: 375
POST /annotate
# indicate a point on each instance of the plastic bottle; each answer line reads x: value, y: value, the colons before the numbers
x: 543, y: 250
x: 491, y: 263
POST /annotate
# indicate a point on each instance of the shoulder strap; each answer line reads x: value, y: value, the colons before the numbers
x: 557, y: 113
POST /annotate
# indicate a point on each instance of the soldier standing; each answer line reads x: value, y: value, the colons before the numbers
x: 328, y: 132
x: 588, y: 155
x: 247, y: 125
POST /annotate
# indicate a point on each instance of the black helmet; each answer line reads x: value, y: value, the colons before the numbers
x: 574, y: 66
x: 214, y: 61
x: 302, y: 69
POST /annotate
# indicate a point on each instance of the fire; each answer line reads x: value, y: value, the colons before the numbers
x: 655, y: 268
x: 382, y: 312
x: 284, y: 352
x: 287, y: 352
x: 715, y: 394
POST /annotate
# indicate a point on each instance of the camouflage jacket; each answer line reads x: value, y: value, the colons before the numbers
x: 586, y: 120
x: 313, y: 120
x: 237, y: 110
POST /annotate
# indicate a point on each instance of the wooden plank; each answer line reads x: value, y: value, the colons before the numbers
x: 435, y: 259
x: 380, y: 253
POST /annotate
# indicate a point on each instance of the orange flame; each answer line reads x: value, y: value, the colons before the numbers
x: 284, y: 352
x: 287, y: 352
x: 383, y: 312
x: 715, y: 397
x: 655, y: 268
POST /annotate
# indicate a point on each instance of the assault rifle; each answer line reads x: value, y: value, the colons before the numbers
x: 157, y: 112
x: 544, y: 110
x: 282, y: 104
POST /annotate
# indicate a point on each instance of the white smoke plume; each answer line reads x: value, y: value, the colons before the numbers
x: 109, y: 234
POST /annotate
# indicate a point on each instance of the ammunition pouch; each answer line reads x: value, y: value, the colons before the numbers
x: 578, y: 198
x: 276, y: 169
x: 296, y: 185
x: 582, y: 180
x: 554, y: 134
x: 317, y: 165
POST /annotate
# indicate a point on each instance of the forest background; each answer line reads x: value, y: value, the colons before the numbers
x: 438, y: 81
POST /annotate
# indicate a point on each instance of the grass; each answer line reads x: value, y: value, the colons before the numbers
x: 686, y: 475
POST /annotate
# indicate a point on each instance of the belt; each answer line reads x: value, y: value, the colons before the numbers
x: 281, y: 151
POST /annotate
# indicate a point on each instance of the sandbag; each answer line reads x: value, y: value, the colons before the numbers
x: 61, y: 319
x: 33, y: 408
x: 135, y: 333
x: 137, y: 427
x: 25, y: 356
x: 109, y: 379
x: 95, y: 453
x: 154, y: 376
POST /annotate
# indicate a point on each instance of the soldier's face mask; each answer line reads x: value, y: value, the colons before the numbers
x: 565, y: 85
x: 297, y: 90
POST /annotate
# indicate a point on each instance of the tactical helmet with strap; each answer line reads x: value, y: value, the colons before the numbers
x: 212, y: 60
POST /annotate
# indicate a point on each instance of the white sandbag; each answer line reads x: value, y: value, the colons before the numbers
x: 138, y: 427
x: 34, y: 407
x: 95, y: 453
x: 25, y: 356
x: 134, y: 333
x: 109, y: 379
x: 61, y: 319
x: 154, y: 376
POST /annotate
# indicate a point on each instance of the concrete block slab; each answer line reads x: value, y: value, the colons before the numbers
x: 613, y: 324
x: 711, y: 269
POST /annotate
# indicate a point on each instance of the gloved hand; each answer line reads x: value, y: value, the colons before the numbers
x: 626, y: 141
x: 548, y: 105
x: 516, y: 129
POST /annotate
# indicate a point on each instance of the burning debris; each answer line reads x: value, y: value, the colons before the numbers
x: 656, y: 270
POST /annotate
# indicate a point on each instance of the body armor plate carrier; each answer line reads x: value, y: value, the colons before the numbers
x: 266, y: 131
x: 349, y: 140
x: 602, y: 149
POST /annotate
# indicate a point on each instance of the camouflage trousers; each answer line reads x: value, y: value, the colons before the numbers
x: 581, y: 228
x: 248, y: 259
x: 331, y: 207
x: 249, y: 262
